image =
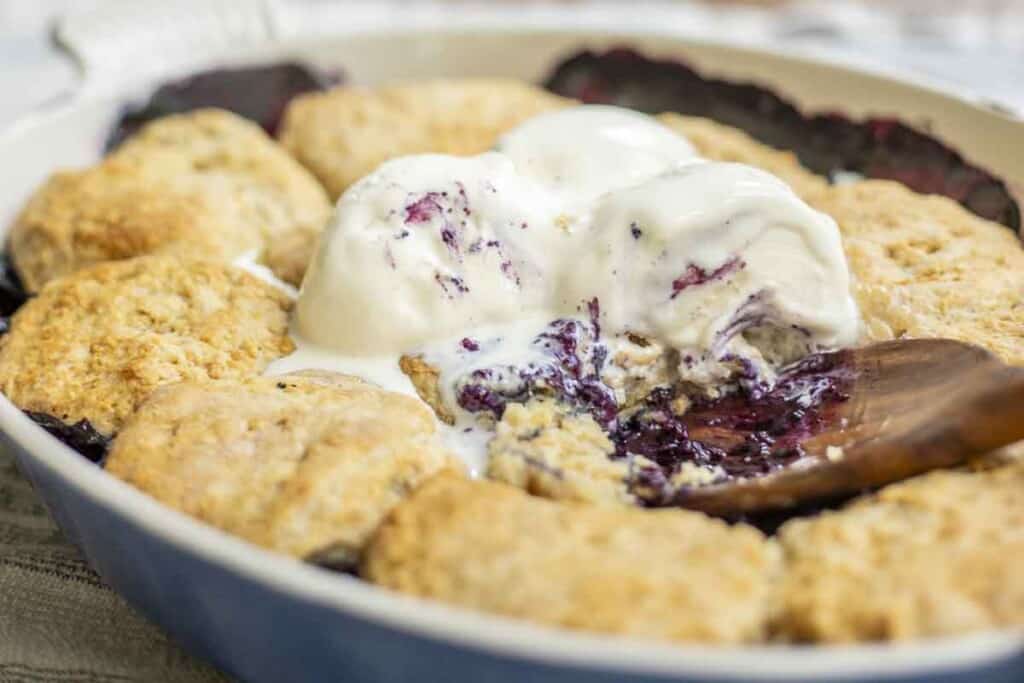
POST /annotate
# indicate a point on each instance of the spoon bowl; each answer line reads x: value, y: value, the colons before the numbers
x: 914, y: 406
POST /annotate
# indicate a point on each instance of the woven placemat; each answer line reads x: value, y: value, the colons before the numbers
x: 58, y: 621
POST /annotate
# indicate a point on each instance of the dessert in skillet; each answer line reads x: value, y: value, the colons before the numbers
x: 486, y: 389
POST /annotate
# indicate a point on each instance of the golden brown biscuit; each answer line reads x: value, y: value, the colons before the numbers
x: 343, y: 134
x: 95, y: 344
x: 208, y: 182
x: 425, y: 379
x: 936, y: 555
x: 667, y: 574
x: 112, y: 212
x: 719, y: 142
x: 290, y: 255
x: 298, y: 463
x: 542, y: 448
x: 926, y: 267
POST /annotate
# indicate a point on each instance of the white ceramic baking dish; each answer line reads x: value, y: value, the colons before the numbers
x: 265, y: 617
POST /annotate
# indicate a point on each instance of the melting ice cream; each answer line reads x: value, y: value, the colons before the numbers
x: 591, y: 247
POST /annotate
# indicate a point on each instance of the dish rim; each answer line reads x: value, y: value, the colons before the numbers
x: 463, y: 627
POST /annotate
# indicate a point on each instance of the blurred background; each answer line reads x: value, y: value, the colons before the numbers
x: 976, y: 46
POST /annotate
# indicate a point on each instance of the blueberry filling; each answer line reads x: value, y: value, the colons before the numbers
x: 81, y: 436
x: 259, y: 93
x: 827, y: 144
x: 12, y: 292
x: 747, y: 433
x: 570, y: 370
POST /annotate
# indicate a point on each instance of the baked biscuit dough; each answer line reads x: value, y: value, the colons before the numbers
x: 543, y: 448
x: 304, y: 463
x: 344, y: 133
x: 936, y: 555
x: 289, y: 256
x: 207, y: 182
x: 426, y: 379
x: 94, y: 345
x: 924, y: 266
x: 667, y: 574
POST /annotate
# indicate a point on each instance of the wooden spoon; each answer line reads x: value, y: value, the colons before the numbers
x: 915, y: 406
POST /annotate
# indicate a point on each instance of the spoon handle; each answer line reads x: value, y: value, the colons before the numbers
x: 995, y: 418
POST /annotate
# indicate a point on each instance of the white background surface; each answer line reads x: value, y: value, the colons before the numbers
x: 976, y: 45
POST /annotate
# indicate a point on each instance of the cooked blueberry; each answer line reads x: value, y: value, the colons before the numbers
x: 424, y: 209
x: 745, y: 433
x: 695, y: 275
x: 12, y: 292
x: 825, y: 143
x: 571, y: 373
x: 259, y: 93
x: 81, y: 436
x: 451, y: 284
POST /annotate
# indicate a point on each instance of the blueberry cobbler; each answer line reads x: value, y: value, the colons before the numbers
x: 533, y: 322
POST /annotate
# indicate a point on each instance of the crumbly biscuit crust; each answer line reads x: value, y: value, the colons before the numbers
x: 95, y: 344
x: 425, y: 379
x: 207, y: 182
x: 542, y: 448
x: 112, y: 212
x: 343, y: 134
x: 299, y: 463
x: 924, y: 266
x: 936, y: 555
x: 667, y: 574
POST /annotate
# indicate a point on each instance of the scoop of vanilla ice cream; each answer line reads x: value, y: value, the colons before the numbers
x: 722, y: 262
x: 427, y: 247
x: 583, y: 152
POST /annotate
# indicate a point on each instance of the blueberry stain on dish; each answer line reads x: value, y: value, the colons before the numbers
x: 80, y: 436
x: 826, y: 143
x: 259, y: 93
